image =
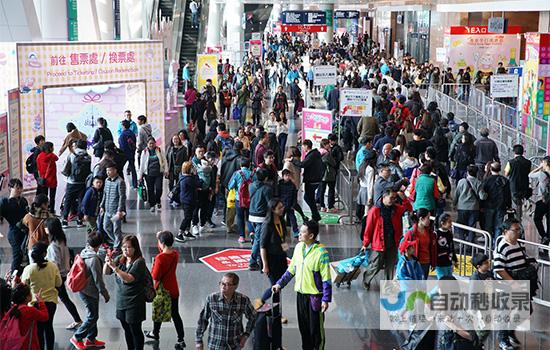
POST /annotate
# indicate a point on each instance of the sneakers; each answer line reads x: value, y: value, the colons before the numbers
x: 223, y: 223
x: 505, y: 345
x: 241, y: 240
x: 189, y: 236
x: 79, y: 344
x: 203, y: 228
x: 151, y: 335
x: 180, y: 238
x: 79, y: 223
x: 211, y: 225
x: 64, y: 223
x: 180, y: 345
x: 195, y: 230
x: 254, y: 267
x: 514, y: 340
x: 152, y: 209
x: 72, y: 217
x: 159, y: 207
x: 94, y: 344
x: 73, y: 326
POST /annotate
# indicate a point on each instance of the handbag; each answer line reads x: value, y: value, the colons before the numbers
x: 162, y: 305
x: 142, y: 191
x: 231, y: 198
x: 236, y: 115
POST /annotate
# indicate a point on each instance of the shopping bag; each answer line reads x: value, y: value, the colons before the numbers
x: 162, y: 305
x: 236, y: 115
x: 142, y: 191
x: 231, y: 198
x: 347, y: 265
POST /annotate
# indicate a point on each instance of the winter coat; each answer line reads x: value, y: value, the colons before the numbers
x: 47, y: 168
x: 188, y: 189
x: 374, y: 229
x: 312, y: 165
x: 94, y: 271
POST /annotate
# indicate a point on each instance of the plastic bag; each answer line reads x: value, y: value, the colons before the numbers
x: 349, y: 264
x: 231, y: 198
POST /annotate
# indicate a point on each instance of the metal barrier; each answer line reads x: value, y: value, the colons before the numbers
x: 346, y: 189
x: 543, y: 294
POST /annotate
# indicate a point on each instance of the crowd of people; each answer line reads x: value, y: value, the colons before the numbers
x: 411, y: 160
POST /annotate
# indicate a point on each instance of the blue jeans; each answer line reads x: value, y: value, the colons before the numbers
x: 255, y: 255
x: 493, y: 219
x: 195, y: 18
x: 468, y: 218
x: 88, y: 329
x: 243, y: 110
x: 242, y: 218
x: 441, y: 271
x: 291, y: 218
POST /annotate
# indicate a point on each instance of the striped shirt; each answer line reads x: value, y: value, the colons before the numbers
x: 509, y: 257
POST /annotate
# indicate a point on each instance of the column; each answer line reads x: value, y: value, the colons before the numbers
x: 214, y: 24
x: 52, y: 16
x: 327, y: 36
x: 544, y: 22
x: 235, y: 33
x: 106, y: 19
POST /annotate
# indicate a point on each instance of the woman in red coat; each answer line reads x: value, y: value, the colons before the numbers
x: 28, y: 316
x: 164, y: 271
x: 47, y: 170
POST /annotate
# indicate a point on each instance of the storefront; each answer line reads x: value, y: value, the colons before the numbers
x: 81, y: 82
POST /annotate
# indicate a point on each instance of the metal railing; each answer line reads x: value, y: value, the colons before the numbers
x: 346, y: 185
x: 534, y: 250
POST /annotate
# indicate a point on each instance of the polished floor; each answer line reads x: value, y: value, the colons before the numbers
x: 352, y: 321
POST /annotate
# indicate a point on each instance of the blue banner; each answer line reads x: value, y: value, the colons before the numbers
x: 304, y: 17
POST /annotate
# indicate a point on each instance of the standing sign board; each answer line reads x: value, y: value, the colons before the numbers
x: 207, y: 69
x: 356, y: 103
x: 316, y: 125
x: 256, y: 45
x: 504, y: 85
x: 324, y: 75
x: 14, y: 131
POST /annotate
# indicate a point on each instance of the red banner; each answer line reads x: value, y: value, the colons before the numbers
x: 482, y: 30
x: 303, y: 28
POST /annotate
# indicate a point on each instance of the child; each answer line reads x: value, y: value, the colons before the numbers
x: 482, y: 266
x: 408, y: 267
x: 289, y: 194
x: 446, y: 257
x: 409, y: 163
x: 188, y: 199
x: 113, y: 206
x: 90, y: 204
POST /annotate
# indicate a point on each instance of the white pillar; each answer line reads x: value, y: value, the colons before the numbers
x: 52, y: 16
x: 327, y: 36
x: 235, y: 33
x: 544, y: 22
x: 105, y: 15
x: 214, y: 24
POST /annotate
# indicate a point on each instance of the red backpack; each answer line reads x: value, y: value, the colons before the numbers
x: 76, y: 278
x: 244, y: 194
x: 10, y: 334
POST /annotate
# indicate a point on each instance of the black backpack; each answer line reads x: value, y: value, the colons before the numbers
x: 81, y: 167
x: 30, y: 163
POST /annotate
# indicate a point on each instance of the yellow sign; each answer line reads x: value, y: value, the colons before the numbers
x: 207, y: 66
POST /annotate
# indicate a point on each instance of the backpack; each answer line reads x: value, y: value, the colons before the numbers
x: 76, y: 278
x: 546, y: 189
x: 244, y: 194
x: 131, y: 142
x: 174, y: 194
x: 30, y: 163
x: 150, y: 292
x: 225, y: 143
x: 81, y: 167
x: 10, y: 333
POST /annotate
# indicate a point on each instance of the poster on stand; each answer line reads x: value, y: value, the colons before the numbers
x: 504, y: 85
x: 316, y: 125
x: 324, y: 75
x: 207, y: 66
x: 14, y: 139
x: 477, y: 48
x: 356, y: 103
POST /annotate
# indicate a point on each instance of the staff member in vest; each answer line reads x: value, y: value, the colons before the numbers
x: 517, y: 170
x: 382, y: 233
x: 310, y: 266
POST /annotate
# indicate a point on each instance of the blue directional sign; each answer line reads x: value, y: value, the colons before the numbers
x: 515, y: 70
x: 304, y: 17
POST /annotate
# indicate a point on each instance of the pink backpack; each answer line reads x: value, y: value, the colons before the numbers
x: 10, y: 334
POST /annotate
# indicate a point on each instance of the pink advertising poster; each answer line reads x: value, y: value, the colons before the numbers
x: 316, y: 125
x: 4, y: 168
x: 475, y: 47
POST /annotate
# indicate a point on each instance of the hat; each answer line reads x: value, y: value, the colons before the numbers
x: 406, y: 244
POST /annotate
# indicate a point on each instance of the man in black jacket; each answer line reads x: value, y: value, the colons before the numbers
x: 499, y: 200
x: 313, y: 175
x: 517, y: 170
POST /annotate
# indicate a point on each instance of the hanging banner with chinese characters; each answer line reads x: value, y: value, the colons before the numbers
x: 47, y: 65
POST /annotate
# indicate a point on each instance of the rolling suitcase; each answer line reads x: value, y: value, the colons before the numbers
x: 268, y: 331
x: 347, y: 270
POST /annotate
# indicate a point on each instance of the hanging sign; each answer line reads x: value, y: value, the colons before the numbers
x: 324, y: 75
x: 356, y: 103
x: 316, y: 125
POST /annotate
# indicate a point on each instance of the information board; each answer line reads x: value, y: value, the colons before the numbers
x: 316, y: 125
x: 504, y: 85
x: 14, y: 138
x: 356, y: 103
x: 304, y: 17
x: 324, y: 75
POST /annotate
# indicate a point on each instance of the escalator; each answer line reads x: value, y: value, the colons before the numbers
x: 189, y: 44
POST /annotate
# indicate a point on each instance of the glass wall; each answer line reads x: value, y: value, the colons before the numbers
x: 417, y: 40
